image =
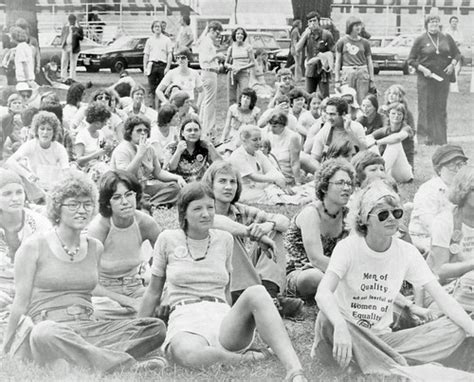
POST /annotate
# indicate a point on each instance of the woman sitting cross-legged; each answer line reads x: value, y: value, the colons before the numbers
x: 195, y: 261
x: 122, y: 229
x: 357, y: 294
x: 390, y: 138
x: 263, y: 262
x: 55, y: 275
x: 191, y: 155
x: 315, y: 231
x: 136, y: 155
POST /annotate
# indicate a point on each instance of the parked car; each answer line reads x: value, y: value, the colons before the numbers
x: 394, y: 56
x: 125, y: 52
x: 51, y: 50
x: 380, y: 41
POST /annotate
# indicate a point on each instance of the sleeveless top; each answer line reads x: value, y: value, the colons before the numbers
x: 240, y: 54
x: 293, y: 242
x: 122, y: 251
x: 61, y: 283
x: 281, y: 150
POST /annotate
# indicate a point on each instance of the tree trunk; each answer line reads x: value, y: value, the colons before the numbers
x: 302, y: 7
x: 25, y: 9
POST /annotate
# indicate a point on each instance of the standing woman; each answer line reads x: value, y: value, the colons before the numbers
x: 240, y: 58
x: 157, y: 58
x: 122, y: 229
x: 191, y: 156
x: 195, y: 261
x: 434, y: 55
x: 55, y: 275
x: 315, y: 231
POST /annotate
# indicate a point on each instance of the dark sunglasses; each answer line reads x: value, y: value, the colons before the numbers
x: 181, y: 57
x: 383, y: 215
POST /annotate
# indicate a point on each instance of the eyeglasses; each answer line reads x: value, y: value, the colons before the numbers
x: 142, y: 131
x: 342, y: 183
x: 102, y: 98
x: 129, y: 195
x: 456, y: 166
x: 383, y: 215
x: 74, y: 206
x: 181, y: 57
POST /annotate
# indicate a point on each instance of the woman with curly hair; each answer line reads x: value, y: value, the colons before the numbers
x: 56, y: 273
x: 452, y: 254
x: 122, y: 229
x: 360, y: 286
x: 191, y: 155
x: 41, y: 159
x: 315, y: 231
x: 242, y: 113
x: 136, y: 155
x: 90, y: 144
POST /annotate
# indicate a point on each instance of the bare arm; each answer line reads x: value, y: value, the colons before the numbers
x: 393, y: 138
x: 442, y: 266
x: 295, y: 149
x: 370, y: 68
x: 82, y: 159
x: 152, y: 298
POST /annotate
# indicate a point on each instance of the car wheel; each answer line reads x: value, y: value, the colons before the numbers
x: 119, y: 65
x: 376, y: 70
x: 92, y: 68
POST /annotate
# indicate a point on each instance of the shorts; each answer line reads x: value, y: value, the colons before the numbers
x: 202, y: 318
x: 292, y: 283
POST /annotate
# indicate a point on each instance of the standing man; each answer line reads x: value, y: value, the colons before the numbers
x: 185, y: 37
x: 295, y: 57
x: 316, y: 40
x: 157, y: 58
x: 71, y: 35
x: 354, y: 65
x: 208, y: 60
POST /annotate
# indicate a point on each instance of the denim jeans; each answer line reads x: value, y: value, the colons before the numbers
x: 236, y: 83
x: 358, y: 79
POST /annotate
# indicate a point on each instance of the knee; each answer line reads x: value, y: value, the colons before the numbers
x: 43, y: 334
x: 308, y: 281
x: 256, y: 295
x: 185, y: 354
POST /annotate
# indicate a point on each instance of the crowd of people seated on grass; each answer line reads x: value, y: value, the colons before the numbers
x: 82, y: 185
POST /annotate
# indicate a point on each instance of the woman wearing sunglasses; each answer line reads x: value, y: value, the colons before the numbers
x: 122, y: 229
x: 195, y: 261
x: 56, y: 273
x: 315, y: 231
x: 183, y: 76
x: 357, y: 293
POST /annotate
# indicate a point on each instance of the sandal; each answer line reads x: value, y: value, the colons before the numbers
x: 257, y: 354
x: 296, y: 376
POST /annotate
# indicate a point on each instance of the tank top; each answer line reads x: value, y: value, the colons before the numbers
x: 61, y: 283
x: 293, y: 242
x: 281, y: 150
x: 240, y: 55
x: 122, y: 251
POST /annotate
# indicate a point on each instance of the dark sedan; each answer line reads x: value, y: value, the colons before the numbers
x: 124, y: 53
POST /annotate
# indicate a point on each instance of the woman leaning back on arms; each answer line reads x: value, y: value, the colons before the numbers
x: 360, y: 286
x: 203, y: 329
x: 55, y: 275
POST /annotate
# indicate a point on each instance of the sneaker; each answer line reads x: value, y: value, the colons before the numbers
x: 152, y: 364
x: 288, y: 306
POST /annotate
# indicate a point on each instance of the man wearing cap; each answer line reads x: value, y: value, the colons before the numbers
x: 315, y: 40
x: 431, y: 198
x: 354, y: 64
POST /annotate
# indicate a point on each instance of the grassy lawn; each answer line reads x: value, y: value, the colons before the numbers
x: 461, y: 117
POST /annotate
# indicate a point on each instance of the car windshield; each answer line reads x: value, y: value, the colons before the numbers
x: 124, y: 42
x: 402, y: 41
x: 270, y: 42
x: 375, y: 43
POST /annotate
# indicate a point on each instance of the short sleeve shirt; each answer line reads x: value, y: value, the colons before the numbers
x: 158, y: 48
x: 354, y: 52
x: 186, y: 83
x: 370, y: 280
x: 191, y: 166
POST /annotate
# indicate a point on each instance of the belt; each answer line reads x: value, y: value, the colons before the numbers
x: 64, y: 313
x: 159, y: 62
x: 196, y: 301
x: 121, y: 281
x: 213, y: 70
x: 354, y: 67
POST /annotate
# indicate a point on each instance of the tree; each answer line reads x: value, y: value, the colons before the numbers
x: 25, y: 9
x: 303, y: 7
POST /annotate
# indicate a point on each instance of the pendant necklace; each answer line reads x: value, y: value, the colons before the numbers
x: 71, y: 254
x: 437, y: 41
x: 205, y: 253
x: 333, y: 216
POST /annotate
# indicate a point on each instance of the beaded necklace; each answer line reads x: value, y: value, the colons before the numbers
x: 71, y: 254
x: 333, y: 216
x: 205, y: 253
